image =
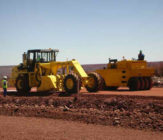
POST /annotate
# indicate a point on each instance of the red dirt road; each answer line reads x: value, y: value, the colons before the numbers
x: 142, y: 110
x: 18, y: 128
x: 122, y: 91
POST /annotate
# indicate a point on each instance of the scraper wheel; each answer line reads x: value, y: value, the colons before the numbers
x: 94, y: 82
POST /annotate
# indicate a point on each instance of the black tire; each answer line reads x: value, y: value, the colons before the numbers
x: 102, y: 83
x: 74, y: 87
x: 134, y: 84
x: 142, y: 83
x: 150, y: 83
x: 97, y: 85
x: 38, y: 78
x: 146, y: 83
x: 22, y: 84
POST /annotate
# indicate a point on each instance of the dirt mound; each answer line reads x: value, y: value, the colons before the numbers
x: 126, y: 111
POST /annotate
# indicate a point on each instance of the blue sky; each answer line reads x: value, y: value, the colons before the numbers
x: 90, y: 31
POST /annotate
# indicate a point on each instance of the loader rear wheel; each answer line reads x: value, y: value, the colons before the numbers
x: 22, y: 85
x: 70, y: 83
x: 94, y: 82
x: 134, y: 84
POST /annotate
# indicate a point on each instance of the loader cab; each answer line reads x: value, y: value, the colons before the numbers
x: 40, y: 56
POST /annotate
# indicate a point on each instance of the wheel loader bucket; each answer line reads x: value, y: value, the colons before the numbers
x: 47, y: 83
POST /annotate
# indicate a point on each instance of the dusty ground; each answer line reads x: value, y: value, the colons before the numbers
x: 121, y: 91
x: 18, y: 128
x: 125, y: 91
x: 138, y: 112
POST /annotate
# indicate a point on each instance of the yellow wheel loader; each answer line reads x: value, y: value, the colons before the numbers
x: 40, y: 69
x: 134, y: 74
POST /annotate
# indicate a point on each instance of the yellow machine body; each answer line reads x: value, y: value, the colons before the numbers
x: 50, y: 75
x: 48, y: 83
x: 46, y: 76
x: 59, y: 70
x: 118, y: 74
x: 134, y: 74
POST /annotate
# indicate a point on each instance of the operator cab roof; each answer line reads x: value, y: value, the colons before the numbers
x: 43, y: 50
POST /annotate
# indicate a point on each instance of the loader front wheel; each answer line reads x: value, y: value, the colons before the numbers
x: 70, y: 83
x: 94, y: 82
x: 22, y: 85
